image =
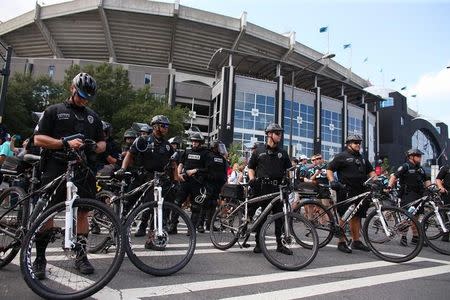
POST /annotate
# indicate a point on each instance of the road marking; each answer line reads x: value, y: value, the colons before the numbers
x: 182, y: 288
x: 343, y: 285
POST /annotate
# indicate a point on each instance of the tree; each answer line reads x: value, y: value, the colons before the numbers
x: 235, y: 153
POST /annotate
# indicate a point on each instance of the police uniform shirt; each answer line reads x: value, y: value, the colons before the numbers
x: 195, y: 159
x: 157, y: 155
x: 270, y: 163
x: 444, y: 175
x: 216, y: 166
x: 411, y: 177
x: 352, y: 169
x: 112, y: 149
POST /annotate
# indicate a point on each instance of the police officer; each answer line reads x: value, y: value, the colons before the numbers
x: 152, y: 153
x: 192, y: 174
x: 352, y: 171
x: 145, y: 130
x: 217, y: 166
x: 443, y: 183
x: 128, y: 138
x: 59, y: 121
x: 266, y: 169
x: 413, y: 181
x: 107, y: 161
x: 176, y: 142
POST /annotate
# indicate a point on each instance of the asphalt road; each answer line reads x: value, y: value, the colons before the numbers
x: 241, y: 274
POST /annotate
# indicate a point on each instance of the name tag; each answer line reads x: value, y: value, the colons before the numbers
x: 218, y: 160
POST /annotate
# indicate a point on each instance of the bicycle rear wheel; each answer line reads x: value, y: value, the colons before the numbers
x: 397, y: 246
x: 160, y: 255
x: 225, y: 226
x: 100, y: 238
x: 63, y: 279
x: 294, y: 256
x: 11, y: 222
x: 434, y: 235
x: 321, y: 219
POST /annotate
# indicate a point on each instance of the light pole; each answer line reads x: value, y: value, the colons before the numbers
x: 326, y: 56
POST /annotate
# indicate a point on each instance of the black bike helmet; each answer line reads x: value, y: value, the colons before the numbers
x: 353, y: 138
x: 218, y: 146
x: 197, y: 136
x: 160, y: 119
x: 414, y: 151
x: 175, y: 140
x: 273, y: 127
x: 130, y: 134
x: 85, y: 85
x: 107, y: 128
x: 145, y: 128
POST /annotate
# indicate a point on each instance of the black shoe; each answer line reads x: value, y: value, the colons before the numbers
x: 257, y: 249
x: 95, y: 229
x: 414, y: 240
x: 283, y: 249
x: 200, y: 229
x: 140, y: 232
x: 83, y: 265
x: 404, y: 241
x: 39, y: 265
x: 172, y: 230
x: 445, y: 237
x: 342, y: 246
x: 358, y: 245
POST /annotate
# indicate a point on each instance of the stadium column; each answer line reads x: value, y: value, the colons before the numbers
x: 171, y: 92
x: 227, y: 104
x: 279, y: 99
x: 365, y: 127
x: 343, y: 96
x: 317, y: 118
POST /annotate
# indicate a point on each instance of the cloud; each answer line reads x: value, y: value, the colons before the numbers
x: 433, y: 96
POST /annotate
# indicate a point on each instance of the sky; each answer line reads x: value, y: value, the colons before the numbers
x: 405, y: 40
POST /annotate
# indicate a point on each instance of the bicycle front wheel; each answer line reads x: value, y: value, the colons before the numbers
x: 61, y: 273
x: 390, y: 234
x: 165, y: 254
x: 14, y: 217
x: 225, y: 226
x: 285, y: 247
x: 434, y: 233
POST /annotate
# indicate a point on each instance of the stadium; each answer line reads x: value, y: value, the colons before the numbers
x: 234, y: 76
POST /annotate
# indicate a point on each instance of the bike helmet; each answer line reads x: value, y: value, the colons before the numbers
x: 145, y: 128
x: 197, y: 136
x: 175, y: 140
x: 160, y: 119
x: 218, y: 146
x: 353, y: 138
x: 85, y: 85
x: 273, y: 127
x: 414, y: 151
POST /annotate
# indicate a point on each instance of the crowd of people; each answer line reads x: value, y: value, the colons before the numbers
x: 200, y: 171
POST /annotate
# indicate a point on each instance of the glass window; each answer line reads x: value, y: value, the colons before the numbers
x: 147, y: 79
x: 51, y: 71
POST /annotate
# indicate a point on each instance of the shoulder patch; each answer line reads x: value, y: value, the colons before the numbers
x: 90, y: 119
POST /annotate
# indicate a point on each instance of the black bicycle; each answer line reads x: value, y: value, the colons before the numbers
x: 56, y: 224
x: 231, y: 222
x: 383, y: 230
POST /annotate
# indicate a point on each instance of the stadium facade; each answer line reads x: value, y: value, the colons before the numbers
x: 234, y: 76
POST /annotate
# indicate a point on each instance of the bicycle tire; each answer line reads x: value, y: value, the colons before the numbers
x: 12, y: 222
x: 321, y: 219
x: 102, y: 239
x: 302, y: 231
x: 434, y: 236
x: 400, y: 223
x: 67, y: 288
x: 164, y: 258
x: 224, y: 226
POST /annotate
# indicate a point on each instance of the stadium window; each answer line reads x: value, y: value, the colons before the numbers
x: 388, y: 102
x: 147, y: 79
x: 51, y: 71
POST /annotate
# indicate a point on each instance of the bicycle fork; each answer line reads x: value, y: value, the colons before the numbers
x: 378, y: 206
x: 439, y: 217
x: 71, y: 215
x: 158, y: 211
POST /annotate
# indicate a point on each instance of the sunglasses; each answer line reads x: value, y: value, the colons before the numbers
x: 317, y: 158
x: 277, y: 132
x: 356, y: 143
x: 164, y: 125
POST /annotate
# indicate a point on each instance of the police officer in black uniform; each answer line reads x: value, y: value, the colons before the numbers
x: 151, y: 153
x: 128, y: 138
x: 216, y: 165
x: 352, y: 171
x: 443, y: 182
x: 59, y: 121
x: 413, y: 181
x: 192, y: 173
x: 107, y: 161
x: 176, y: 142
x: 266, y: 169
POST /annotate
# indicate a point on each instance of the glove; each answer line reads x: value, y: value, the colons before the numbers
x: 120, y: 173
x: 335, y: 185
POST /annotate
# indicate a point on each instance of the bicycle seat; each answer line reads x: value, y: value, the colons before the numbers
x: 31, y: 158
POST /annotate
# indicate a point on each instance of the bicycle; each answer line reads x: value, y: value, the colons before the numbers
x: 435, y: 221
x: 382, y: 230
x: 157, y: 253
x: 231, y: 222
x: 63, y: 243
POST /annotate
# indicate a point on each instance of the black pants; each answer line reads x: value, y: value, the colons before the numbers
x: 264, y: 189
x: 197, y: 191
x: 213, y: 190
